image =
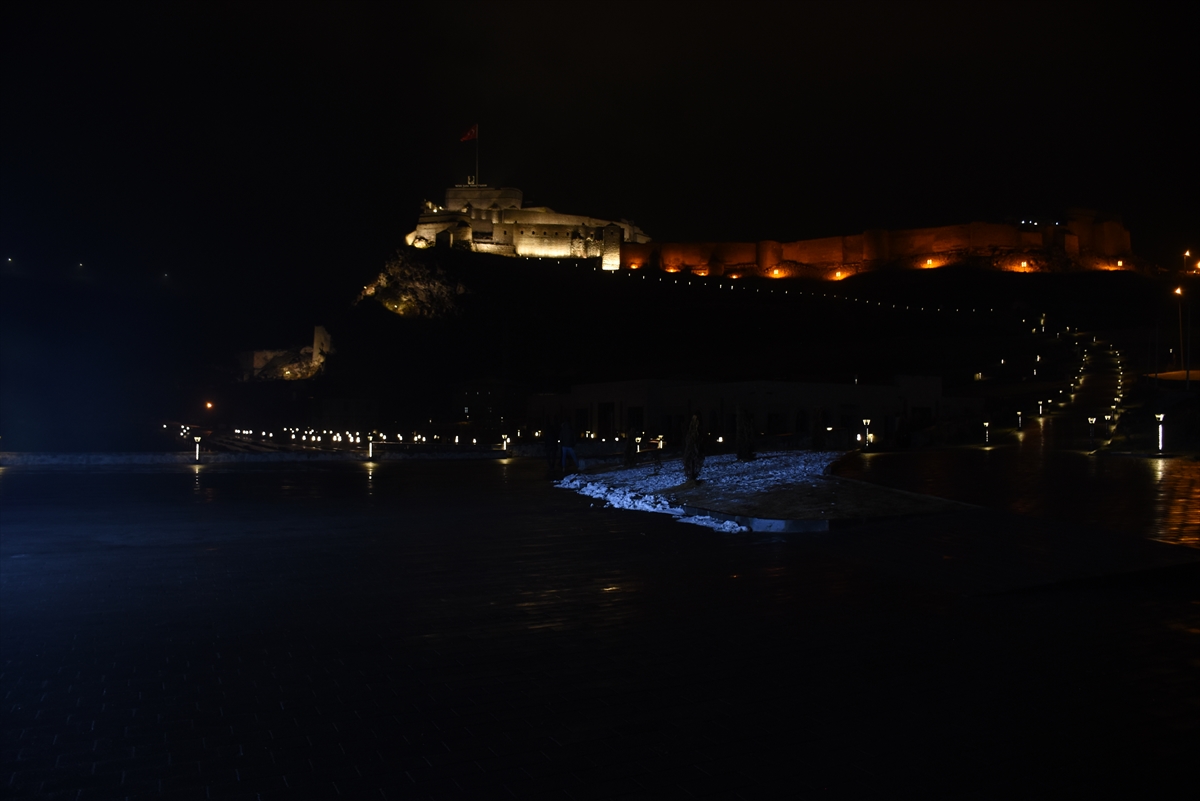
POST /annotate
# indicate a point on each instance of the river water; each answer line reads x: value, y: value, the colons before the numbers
x: 1035, y: 472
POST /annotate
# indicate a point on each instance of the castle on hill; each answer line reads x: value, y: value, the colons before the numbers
x: 493, y: 220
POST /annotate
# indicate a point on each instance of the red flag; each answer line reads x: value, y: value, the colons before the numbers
x: 471, y: 134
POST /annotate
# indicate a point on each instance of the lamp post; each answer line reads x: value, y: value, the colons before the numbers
x: 197, y: 448
x: 1018, y: 419
x: 867, y: 432
x: 1179, y: 292
x: 1107, y: 420
x: 1185, y: 353
x: 1092, y: 428
x: 986, y: 433
x: 1159, y: 418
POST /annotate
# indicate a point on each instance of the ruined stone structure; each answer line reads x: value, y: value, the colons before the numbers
x: 287, y: 365
x: 1084, y: 241
x: 493, y: 220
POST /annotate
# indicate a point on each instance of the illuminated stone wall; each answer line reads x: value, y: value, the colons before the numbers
x: 1025, y: 247
x: 492, y: 220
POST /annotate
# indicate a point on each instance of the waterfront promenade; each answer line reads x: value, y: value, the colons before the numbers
x: 465, y: 630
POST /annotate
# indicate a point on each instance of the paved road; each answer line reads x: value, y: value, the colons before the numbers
x: 467, y: 631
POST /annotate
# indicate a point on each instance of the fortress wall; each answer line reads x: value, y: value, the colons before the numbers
x: 1071, y: 245
x: 735, y: 252
x: 951, y: 237
x: 1110, y: 239
x: 816, y: 251
x: 675, y: 256
x: 852, y: 247
x: 641, y: 255
x: 553, y: 247
x: 610, y: 253
x: 460, y: 197
x: 996, y: 235
x: 768, y: 254
x: 911, y: 243
x: 1081, y: 226
x: 1030, y: 239
x: 837, y: 257
x: 876, y: 245
x: 538, y: 219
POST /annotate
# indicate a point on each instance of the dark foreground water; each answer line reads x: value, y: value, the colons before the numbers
x: 1039, y: 474
x: 467, y: 631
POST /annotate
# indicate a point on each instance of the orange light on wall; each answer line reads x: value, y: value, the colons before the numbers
x: 634, y: 266
x: 671, y: 269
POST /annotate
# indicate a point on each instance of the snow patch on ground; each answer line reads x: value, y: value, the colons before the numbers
x: 641, y: 488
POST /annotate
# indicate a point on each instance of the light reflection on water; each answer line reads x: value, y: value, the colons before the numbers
x: 1158, y: 498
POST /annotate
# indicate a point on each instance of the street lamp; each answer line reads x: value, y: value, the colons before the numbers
x: 1018, y: 419
x: 197, y: 448
x: 867, y: 432
x: 1092, y: 428
x: 1179, y: 292
x: 1107, y: 420
x: 986, y: 433
x: 1159, y: 418
x: 1185, y: 355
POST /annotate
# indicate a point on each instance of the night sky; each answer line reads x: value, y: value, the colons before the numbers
x: 229, y: 174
